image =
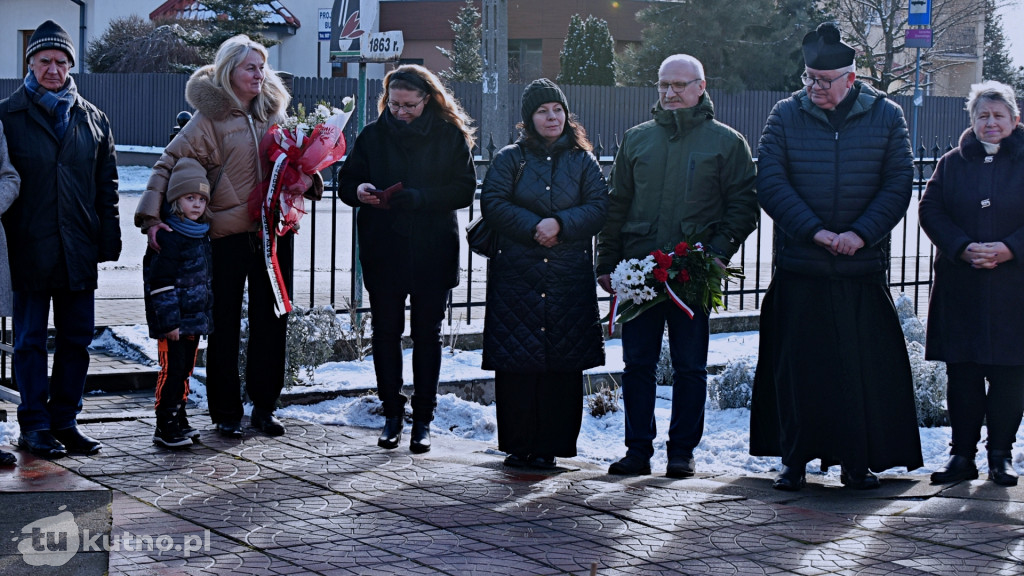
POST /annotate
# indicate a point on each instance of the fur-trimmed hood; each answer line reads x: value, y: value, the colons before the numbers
x: 203, y: 93
x: 972, y: 149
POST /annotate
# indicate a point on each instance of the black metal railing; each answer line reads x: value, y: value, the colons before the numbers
x: 910, y: 269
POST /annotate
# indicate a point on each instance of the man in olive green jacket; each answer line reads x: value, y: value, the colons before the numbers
x: 682, y: 176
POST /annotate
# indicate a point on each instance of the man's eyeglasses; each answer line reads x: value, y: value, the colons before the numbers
x: 396, y: 107
x: 823, y: 83
x: 676, y: 87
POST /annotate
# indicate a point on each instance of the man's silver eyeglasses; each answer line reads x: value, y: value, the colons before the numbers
x: 396, y: 107
x: 676, y: 87
x: 823, y: 83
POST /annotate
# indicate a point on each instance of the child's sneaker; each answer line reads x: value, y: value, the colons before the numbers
x: 183, y: 425
x: 168, y: 434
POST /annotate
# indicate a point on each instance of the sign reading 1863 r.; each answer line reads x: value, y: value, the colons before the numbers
x: 382, y: 46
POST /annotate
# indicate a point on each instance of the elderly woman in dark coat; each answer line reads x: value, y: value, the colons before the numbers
x: 973, y: 211
x: 541, y: 329
x: 409, y: 172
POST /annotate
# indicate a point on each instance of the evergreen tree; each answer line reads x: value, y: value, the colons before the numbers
x: 744, y: 45
x: 135, y: 45
x: 588, y: 54
x: 467, y: 61
x: 997, y: 64
x: 231, y: 18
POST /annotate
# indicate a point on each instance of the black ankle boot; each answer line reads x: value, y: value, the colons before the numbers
x: 858, y: 480
x: 957, y: 469
x: 1000, y: 468
x: 420, y: 441
x: 791, y: 478
x: 392, y: 433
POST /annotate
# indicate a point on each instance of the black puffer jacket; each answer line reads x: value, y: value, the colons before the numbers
x: 179, y: 285
x: 542, y: 311
x: 66, y: 214
x: 415, y: 246
x: 812, y: 177
x: 976, y: 315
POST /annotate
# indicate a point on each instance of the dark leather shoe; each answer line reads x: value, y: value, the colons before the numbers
x: 680, y: 467
x: 229, y: 429
x: 77, y: 443
x: 42, y: 444
x: 1000, y: 468
x: 791, y: 478
x: 542, y: 462
x: 7, y: 459
x: 517, y: 461
x: 956, y: 469
x: 631, y: 465
x: 420, y: 441
x: 391, y: 435
x: 267, y: 423
x: 856, y: 480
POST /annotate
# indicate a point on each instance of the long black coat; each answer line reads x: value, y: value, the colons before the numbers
x: 542, y: 313
x: 418, y: 247
x: 976, y: 315
x: 66, y: 214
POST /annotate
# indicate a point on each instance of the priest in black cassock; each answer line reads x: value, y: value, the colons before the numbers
x: 833, y: 380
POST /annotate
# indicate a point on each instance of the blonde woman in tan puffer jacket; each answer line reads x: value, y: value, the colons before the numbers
x: 237, y: 98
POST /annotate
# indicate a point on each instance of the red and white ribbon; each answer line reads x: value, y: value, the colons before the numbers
x: 282, y: 304
x: 612, y: 314
x: 679, y: 301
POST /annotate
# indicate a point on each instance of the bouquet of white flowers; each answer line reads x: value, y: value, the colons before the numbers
x: 686, y: 274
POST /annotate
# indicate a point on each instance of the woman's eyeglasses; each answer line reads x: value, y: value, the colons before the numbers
x: 396, y: 107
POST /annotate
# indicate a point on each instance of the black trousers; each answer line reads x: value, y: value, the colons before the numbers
x: 969, y: 405
x: 387, y: 317
x: 177, y: 360
x: 538, y: 414
x: 238, y: 258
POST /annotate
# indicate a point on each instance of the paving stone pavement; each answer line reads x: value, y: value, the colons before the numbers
x: 326, y: 500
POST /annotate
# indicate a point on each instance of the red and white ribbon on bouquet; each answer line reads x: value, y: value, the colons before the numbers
x: 279, y: 206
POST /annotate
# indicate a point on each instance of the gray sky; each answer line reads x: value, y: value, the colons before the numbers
x: 1013, y: 28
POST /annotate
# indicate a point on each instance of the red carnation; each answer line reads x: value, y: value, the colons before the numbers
x: 660, y: 275
x: 682, y: 248
x: 684, y: 275
x: 663, y: 260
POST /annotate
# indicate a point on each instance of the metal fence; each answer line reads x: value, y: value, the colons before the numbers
x: 142, y: 107
x: 333, y: 278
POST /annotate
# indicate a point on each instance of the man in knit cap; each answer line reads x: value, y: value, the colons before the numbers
x: 833, y: 380
x: 63, y: 224
x: 682, y: 176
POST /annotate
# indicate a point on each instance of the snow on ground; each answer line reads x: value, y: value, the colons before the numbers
x: 723, y: 448
x: 726, y: 432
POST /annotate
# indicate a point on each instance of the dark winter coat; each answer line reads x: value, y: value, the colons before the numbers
x: 65, y: 221
x: 179, y: 285
x: 542, y: 313
x: 415, y: 245
x: 976, y: 315
x: 681, y: 176
x: 811, y: 177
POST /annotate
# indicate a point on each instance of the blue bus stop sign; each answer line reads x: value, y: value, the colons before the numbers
x: 920, y: 13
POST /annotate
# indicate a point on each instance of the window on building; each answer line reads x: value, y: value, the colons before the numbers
x: 524, y: 61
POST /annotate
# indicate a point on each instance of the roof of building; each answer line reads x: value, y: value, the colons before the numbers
x: 277, y: 13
